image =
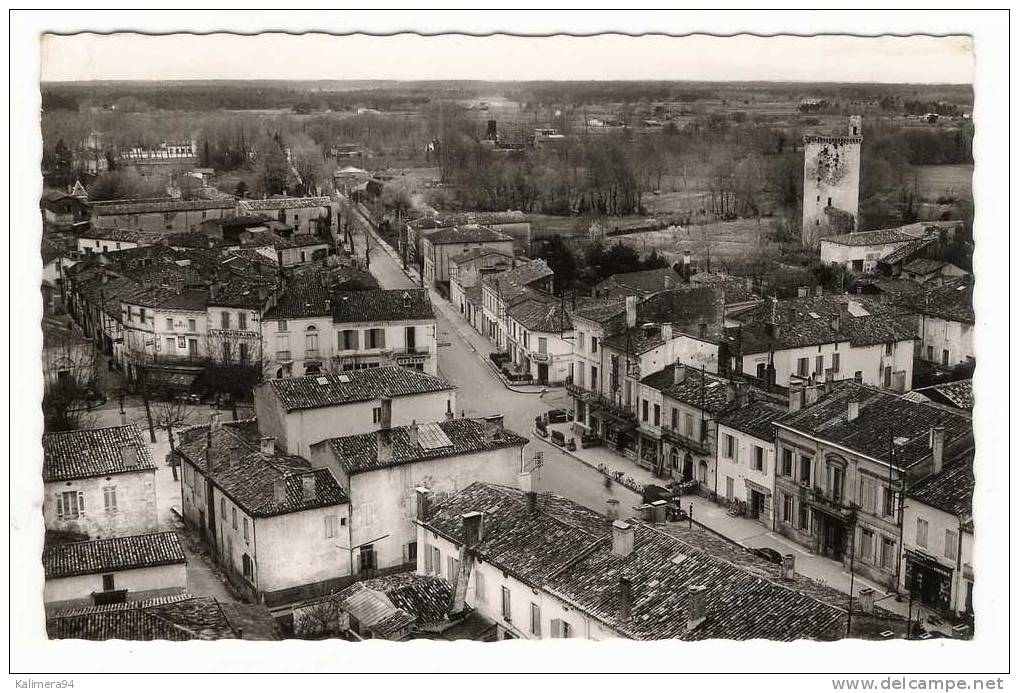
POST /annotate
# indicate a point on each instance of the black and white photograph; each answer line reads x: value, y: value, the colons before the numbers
x: 428, y: 337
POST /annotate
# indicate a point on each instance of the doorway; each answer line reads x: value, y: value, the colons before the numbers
x: 543, y: 373
x: 833, y: 539
x: 756, y: 504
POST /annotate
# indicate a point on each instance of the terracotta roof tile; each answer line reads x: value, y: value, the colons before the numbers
x: 108, y: 555
x: 334, y: 389
x: 93, y: 452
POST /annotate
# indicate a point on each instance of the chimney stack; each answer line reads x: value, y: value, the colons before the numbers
x: 384, y: 447
x: 666, y: 331
x: 386, y: 417
x: 215, y: 421
x: 788, y: 566
x: 473, y: 523
x: 279, y: 490
x: 622, y: 538
x: 129, y: 456
x: 631, y: 311
x: 412, y: 435
x: 810, y: 394
x: 612, y: 509
x: 678, y: 374
x: 696, y: 606
x: 866, y: 596
x: 625, y: 598
x: 524, y: 481
x: 267, y: 445
x: 802, y: 291
x: 795, y: 397
x: 819, y: 290
x: 668, y: 282
x: 658, y: 511
x: 421, y: 506
x: 835, y: 322
x: 532, y: 501
x: 493, y: 427
x: 938, y: 447
x: 853, y: 412
x: 308, y: 489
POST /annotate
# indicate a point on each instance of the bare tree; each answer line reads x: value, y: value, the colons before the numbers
x: 72, y: 381
x: 169, y: 413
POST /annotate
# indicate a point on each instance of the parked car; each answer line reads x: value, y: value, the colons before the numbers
x: 558, y: 438
x: 555, y: 416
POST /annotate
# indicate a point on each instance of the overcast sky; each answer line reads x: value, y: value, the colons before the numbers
x: 919, y: 59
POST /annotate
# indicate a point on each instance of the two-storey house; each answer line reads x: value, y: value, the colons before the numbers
x: 745, y: 458
x: 441, y: 246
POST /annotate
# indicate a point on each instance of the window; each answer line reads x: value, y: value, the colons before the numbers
x: 805, y: 470
x: 867, y: 494
x: 542, y: 345
x: 535, y: 619
x: 192, y: 326
x: 281, y: 325
x: 579, y: 370
x: 787, y: 462
x: 453, y: 569
x: 242, y: 352
x: 835, y: 359
x: 675, y: 419
x: 921, y: 532
x: 245, y: 529
x: 730, y: 487
x: 688, y: 425
x: 804, y: 517
x: 835, y: 482
x: 311, y: 341
x: 787, y: 509
x: 169, y: 324
x: 375, y: 338
x: 411, y: 552
x: 888, y: 502
x: 888, y: 376
x: 866, y: 545
x: 887, y: 553
x: 377, y: 415
x: 171, y: 344
x: 110, y: 499
x: 643, y: 410
x: 730, y: 446
x: 331, y: 522
x: 506, y: 613
x: 561, y: 629
x: 930, y: 353
x: 803, y: 367
x: 108, y: 583
x: 70, y: 505
x: 819, y: 366
x: 944, y: 357
x: 658, y: 415
x: 141, y: 314
x: 889, y: 348
x: 951, y: 545
x: 758, y: 458
x: 247, y: 566
x: 480, y: 594
x: 595, y: 385
x: 242, y: 321
x: 233, y: 513
x: 580, y: 340
x: 222, y: 507
x: 594, y: 344
x: 224, y: 320
x: 436, y: 560
x: 858, y: 376
x: 410, y: 338
x: 347, y: 340
x: 226, y: 351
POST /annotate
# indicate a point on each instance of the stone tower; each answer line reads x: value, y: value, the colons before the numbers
x: 831, y: 183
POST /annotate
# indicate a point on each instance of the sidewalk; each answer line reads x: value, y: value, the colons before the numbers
x: 747, y: 532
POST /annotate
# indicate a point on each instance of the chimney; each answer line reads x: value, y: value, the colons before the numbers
x: 658, y: 512
x: 678, y: 374
x: 384, y: 447
x: 666, y: 331
x: 730, y: 393
x: 819, y: 290
x: 215, y: 421
x: 795, y: 397
x: 645, y: 512
x: 308, y: 491
x: 612, y: 509
x: 524, y: 482
x: 810, y: 394
x: 938, y: 447
x: 129, y: 456
x: 473, y: 524
x: 853, y: 410
x: 267, y: 445
x: 412, y: 435
x: 802, y: 291
x: 493, y: 427
x: 866, y: 596
x: 421, y: 504
x: 625, y: 598
x: 835, y: 321
x: 532, y: 501
x: 386, y: 417
x: 279, y: 490
x: 788, y: 566
x: 631, y: 311
x: 702, y: 329
x: 668, y: 281
x: 622, y: 538
x: 696, y: 606
x: 858, y: 377
x: 742, y: 394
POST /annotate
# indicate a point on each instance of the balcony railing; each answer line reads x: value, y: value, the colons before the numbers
x: 311, y: 354
x: 701, y: 446
x: 821, y: 498
x: 598, y: 400
x: 283, y: 356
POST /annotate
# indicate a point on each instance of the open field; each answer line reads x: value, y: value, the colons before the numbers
x: 724, y: 240
x: 948, y: 180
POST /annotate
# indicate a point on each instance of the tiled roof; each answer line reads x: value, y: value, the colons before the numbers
x: 957, y: 394
x: 466, y: 234
x: 858, y: 331
x: 148, y: 207
x: 807, y: 307
x: 108, y: 555
x: 713, y: 397
x: 645, y: 281
x: 178, y: 618
x: 60, y: 333
x: 409, y: 599
x: 878, y: 237
x: 304, y: 296
x: 92, y: 452
x: 601, y: 310
x: 332, y: 389
x: 284, y: 203
x: 739, y: 604
x: 248, y: 476
x: 475, y: 253
x: 129, y: 235
x: 382, y: 305
x: 513, y: 282
x: 907, y: 250
x: 754, y: 419
x: 923, y: 266
x: 304, y: 240
x: 735, y: 288
x: 242, y: 292
x: 489, y: 218
x: 529, y: 545
x: 884, y: 417
x: 951, y: 489
x: 949, y: 300
x: 542, y: 315
x: 359, y: 453
x: 194, y: 239
x: 194, y: 300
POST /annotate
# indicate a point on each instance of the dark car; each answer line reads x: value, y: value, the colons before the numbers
x: 556, y: 416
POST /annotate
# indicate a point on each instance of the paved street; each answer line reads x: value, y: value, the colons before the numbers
x: 462, y: 360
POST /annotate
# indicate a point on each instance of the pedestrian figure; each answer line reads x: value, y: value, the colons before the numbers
x: 541, y: 394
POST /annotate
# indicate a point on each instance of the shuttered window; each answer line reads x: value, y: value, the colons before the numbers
x: 110, y: 499
x: 480, y: 593
x: 535, y: 619
x: 506, y: 611
x: 70, y: 505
